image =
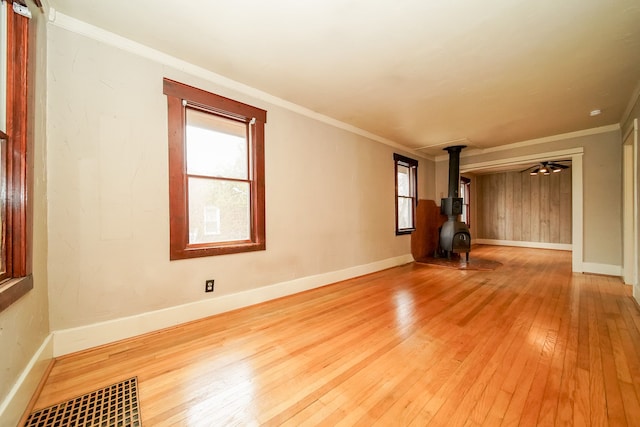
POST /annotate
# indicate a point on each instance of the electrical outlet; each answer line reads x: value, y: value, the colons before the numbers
x: 208, y: 285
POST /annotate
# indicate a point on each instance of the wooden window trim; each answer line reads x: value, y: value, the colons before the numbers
x: 178, y: 202
x: 17, y: 279
x: 412, y: 164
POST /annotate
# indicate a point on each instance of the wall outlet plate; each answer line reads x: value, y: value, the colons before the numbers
x: 208, y: 285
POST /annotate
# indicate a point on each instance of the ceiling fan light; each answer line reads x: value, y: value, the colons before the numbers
x: 534, y: 172
x: 557, y: 170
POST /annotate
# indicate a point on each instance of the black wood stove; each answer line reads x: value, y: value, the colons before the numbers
x: 454, y: 235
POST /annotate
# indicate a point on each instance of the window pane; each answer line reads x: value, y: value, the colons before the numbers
x: 218, y: 211
x: 403, y: 181
x: 405, y: 213
x: 216, y: 146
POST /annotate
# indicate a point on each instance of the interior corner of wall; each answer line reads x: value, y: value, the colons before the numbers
x: 15, y: 403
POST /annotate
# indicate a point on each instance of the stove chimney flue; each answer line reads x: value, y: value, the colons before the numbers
x: 454, y: 169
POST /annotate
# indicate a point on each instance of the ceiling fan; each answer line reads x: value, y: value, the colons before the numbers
x: 546, y: 168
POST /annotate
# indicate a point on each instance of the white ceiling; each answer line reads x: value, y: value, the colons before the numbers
x: 418, y: 72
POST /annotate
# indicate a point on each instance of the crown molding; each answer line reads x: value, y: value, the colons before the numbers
x: 98, y: 34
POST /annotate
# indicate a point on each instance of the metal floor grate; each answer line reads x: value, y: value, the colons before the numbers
x: 115, y: 405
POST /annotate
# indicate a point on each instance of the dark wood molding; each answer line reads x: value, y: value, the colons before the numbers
x: 408, y: 161
x: 18, y: 218
x: 11, y: 290
x: 179, y: 247
x: 207, y: 100
x: 17, y: 75
x: 177, y: 179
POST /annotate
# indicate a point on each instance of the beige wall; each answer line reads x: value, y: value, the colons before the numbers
x: 25, y: 324
x: 329, y: 192
x: 427, y: 171
x: 602, y: 180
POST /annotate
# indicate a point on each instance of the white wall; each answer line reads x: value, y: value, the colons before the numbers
x: 329, y: 193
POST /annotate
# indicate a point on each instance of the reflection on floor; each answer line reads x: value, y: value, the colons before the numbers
x: 458, y: 262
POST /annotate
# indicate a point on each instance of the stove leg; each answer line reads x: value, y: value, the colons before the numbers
x: 467, y: 256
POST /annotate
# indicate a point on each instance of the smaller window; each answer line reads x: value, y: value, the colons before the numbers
x: 465, y: 185
x: 406, y: 178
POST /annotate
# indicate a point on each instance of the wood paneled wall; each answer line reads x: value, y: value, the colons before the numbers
x: 520, y: 207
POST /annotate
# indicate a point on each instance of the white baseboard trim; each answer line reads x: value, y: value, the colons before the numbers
x: 517, y: 243
x: 81, y: 338
x: 606, y: 269
x: 13, y: 406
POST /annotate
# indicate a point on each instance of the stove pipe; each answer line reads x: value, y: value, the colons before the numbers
x: 454, y: 169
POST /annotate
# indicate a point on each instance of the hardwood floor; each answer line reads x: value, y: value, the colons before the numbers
x: 527, y: 344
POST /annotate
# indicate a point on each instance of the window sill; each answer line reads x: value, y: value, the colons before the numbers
x: 12, y: 289
x: 405, y: 231
x: 196, y: 252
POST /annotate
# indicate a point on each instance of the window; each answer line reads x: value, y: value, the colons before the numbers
x: 216, y: 173
x: 15, y: 173
x: 465, y: 185
x: 406, y: 172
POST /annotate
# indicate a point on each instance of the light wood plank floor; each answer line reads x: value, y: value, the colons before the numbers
x: 527, y: 344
